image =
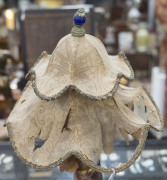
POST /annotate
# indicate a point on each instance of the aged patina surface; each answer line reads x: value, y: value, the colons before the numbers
x: 74, y: 104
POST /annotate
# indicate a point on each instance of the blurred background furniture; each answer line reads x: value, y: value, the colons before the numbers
x: 41, y: 29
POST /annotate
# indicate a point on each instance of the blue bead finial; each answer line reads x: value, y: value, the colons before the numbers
x: 79, y: 20
x: 79, y: 17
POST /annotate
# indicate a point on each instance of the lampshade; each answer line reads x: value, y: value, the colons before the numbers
x: 74, y: 105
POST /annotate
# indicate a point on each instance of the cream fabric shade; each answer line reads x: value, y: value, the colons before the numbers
x: 82, y: 63
x: 74, y: 104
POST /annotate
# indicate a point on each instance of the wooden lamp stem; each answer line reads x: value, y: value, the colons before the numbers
x: 86, y: 173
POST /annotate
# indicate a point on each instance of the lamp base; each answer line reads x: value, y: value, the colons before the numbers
x: 85, y: 173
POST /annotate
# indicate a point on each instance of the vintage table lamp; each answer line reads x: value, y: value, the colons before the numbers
x: 75, y: 106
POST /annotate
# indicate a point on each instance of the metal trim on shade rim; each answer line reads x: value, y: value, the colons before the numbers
x: 105, y: 96
x: 82, y: 157
x: 158, y: 111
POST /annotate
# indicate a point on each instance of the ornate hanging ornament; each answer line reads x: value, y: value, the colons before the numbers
x: 74, y: 105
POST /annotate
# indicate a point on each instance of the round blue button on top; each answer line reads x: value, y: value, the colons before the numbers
x: 79, y: 20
